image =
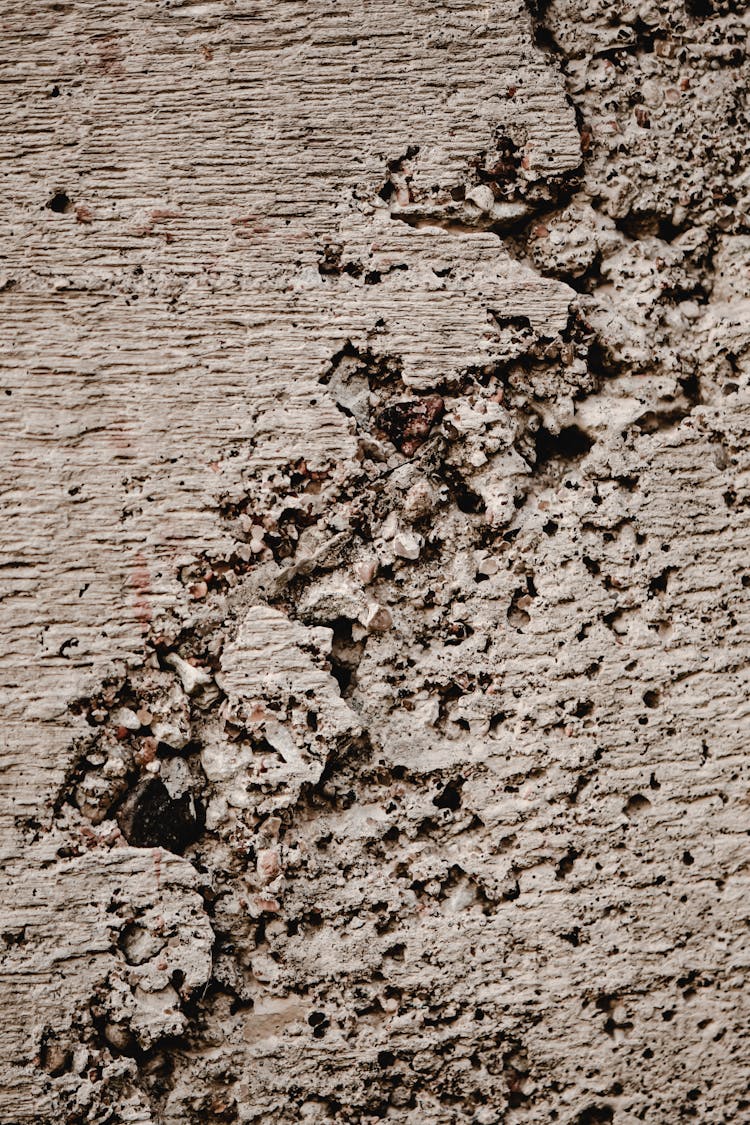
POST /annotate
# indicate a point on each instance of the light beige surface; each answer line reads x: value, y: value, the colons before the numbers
x: 375, y: 474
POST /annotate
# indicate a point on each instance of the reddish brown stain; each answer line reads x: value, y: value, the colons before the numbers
x: 109, y: 56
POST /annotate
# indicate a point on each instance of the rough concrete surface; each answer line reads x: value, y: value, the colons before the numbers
x: 375, y: 562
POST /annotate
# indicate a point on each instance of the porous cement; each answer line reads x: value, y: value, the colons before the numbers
x: 375, y: 562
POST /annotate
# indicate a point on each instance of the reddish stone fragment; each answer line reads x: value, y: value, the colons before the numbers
x: 407, y: 424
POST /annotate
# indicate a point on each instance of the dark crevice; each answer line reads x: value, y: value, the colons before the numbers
x: 59, y: 203
x: 569, y: 445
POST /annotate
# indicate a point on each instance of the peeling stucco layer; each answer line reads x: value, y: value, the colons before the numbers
x: 375, y: 562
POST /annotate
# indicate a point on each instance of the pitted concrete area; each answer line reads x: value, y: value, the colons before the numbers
x: 376, y: 469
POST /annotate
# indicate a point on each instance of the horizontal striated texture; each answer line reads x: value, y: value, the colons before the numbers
x: 375, y: 562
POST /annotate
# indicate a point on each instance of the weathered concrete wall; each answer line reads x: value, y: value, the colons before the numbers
x: 375, y: 562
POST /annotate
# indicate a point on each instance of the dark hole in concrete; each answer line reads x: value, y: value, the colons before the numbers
x: 450, y: 798
x: 151, y: 818
x: 595, y: 1115
x: 699, y: 9
x: 636, y: 804
x: 565, y: 866
x: 570, y: 444
x: 59, y: 203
